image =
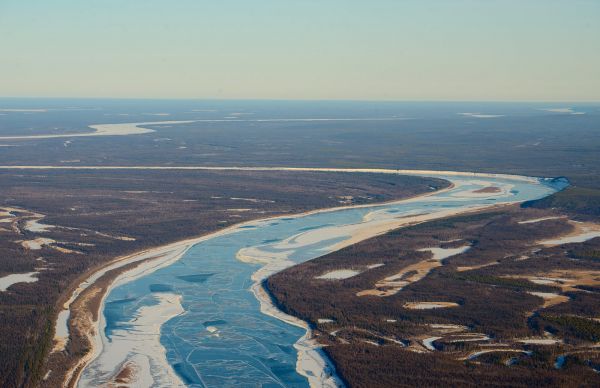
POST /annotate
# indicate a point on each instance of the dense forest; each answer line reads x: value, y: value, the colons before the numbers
x: 516, y: 306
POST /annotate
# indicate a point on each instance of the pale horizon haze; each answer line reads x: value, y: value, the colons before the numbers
x: 277, y: 49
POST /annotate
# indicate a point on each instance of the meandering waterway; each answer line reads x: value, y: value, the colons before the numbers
x: 194, y: 319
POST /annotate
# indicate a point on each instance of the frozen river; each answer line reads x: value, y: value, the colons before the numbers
x: 196, y: 322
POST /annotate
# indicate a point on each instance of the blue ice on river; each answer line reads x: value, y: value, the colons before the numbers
x: 220, y: 338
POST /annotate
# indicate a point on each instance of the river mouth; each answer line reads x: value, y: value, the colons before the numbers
x: 209, y: 329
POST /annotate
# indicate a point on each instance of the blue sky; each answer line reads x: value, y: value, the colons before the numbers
x: 304, y: 49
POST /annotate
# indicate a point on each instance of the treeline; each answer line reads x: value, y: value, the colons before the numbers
x: 565, y: 325
x: 579, y: 201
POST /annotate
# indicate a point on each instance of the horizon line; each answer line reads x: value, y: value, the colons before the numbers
x: 557, y: 101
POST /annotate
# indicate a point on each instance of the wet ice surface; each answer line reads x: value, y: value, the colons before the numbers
x: 222, y: 339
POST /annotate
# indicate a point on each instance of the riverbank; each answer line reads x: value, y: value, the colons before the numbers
x: 145, y: 335
x: 312, y: 362
x: 311, y: 359
x: 87, y: 300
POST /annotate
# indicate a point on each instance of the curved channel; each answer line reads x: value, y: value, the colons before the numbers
x: 194, y: 319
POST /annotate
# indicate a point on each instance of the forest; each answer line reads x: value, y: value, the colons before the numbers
x: 510, y: 308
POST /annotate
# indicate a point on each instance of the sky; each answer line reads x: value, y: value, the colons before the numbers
x: 545, y: 50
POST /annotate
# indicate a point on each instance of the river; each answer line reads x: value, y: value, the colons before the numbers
x: 195, y: 321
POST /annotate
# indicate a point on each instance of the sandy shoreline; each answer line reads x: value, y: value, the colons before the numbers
x: 153, y: 347
x: 312, y: 361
